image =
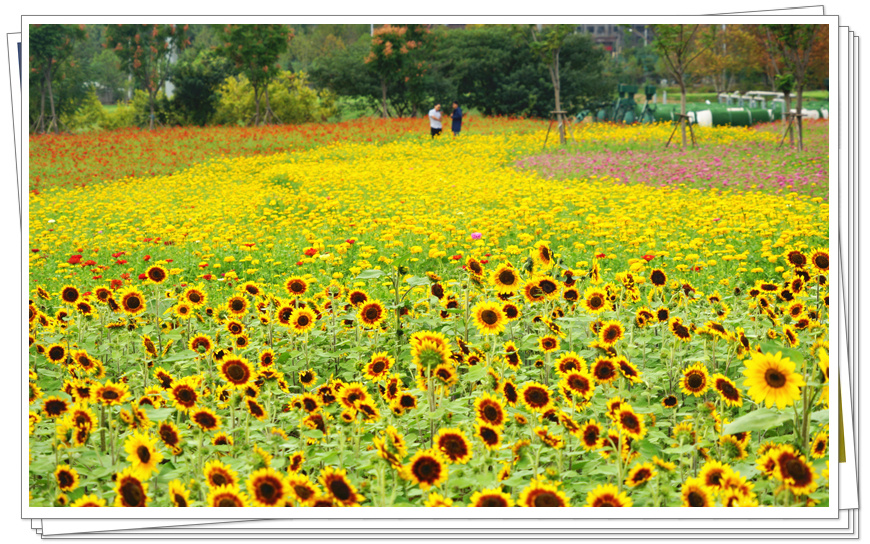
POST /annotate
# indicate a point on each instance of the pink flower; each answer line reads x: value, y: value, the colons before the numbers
x: 476, y: 236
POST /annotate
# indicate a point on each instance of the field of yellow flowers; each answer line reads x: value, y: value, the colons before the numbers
x: 418, y: 322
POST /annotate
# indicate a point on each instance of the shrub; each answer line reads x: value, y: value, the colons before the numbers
x: 290, y: 99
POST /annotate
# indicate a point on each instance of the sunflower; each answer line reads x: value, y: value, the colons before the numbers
x: 56, y: 353
x: 679, y: 330
x: 505, y: 279
x: 88, y: 501
x: 356, y: 297
x: 820, y: 260
x: 170, y: 436
x: 267, y: 487
x: 69, y: 294
x: 627, y: 369
x: 489, y: 409
x: 178, y: 495
x: 131, y: 301
x: 580, y: 383
x: 695, y: 380
x: 296, y: 286
x: 113, y: 394
x: 371, y: 314
x: 426, y: 468
x: 184, y: 393
x: 595, y: 300
x: 640, y: 474
x: 130, y: 490
x: 536, y: 397
x: 772, y: 379
x: 489, y: 317
x: 206, y: 419
x: 491, y: 497
x: 237, y: 305
x: 227, y: 496
x: 790, y: 336
x: 658, y: 277
x: 490, y: 436
x: 256, y: 409
x: 695, y: 493
x: 631, y: 423
x: 144, y: 456
x: 67, y: 477
x: 604, y: 370
x: 670, y: 401
x: 727, y: 390
x: 453, y: 444
x: 302, y: 320
x: 438, y: 500
x: 533, y: 292
x: 713, y: 475
x: 607, y: 495
x: 792, y: 469
x: 819, y: 447
x: 590, y: 435
x: 222, y: 439
x: 237, y: 371
x: 301, y: 489
x: 548, y: 343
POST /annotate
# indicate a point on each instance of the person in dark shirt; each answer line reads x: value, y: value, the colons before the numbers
x: 457, y: 119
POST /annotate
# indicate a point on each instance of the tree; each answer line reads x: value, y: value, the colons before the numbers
x: 732, y: 58
x: 795, y: 44
x: 547, y: 43
x: 255, y: 50
x: 197, y: 82
x: 678, y: 47
x: 50, y: 47
x: 395, y: 58
x: 146, y: 52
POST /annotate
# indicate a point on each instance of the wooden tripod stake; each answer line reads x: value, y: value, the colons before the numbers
x: 560, y: 116
x: 789, y: 127
x: 677, y: 124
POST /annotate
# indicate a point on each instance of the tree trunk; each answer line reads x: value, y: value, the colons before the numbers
x: 384, y: 98
x: 682, y: 108
x: 151, y: 101
x: 268, y: 112
x: 40, y: 123
x: 787, y: 97
x: 256, y: 106
x: 51, y: 101
x: 799, y: 109
x: 554, y: 75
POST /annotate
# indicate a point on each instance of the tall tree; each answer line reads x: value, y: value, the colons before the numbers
x: 678, y: 47
x: 146, y: 52
x: 50, y: 46
x: 546, y: 43
x: 394, y: 58
x: 795, y: 44
x: 255, y: 50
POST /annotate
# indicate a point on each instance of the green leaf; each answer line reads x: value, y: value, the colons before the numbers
x: 680, y: 450
x: 370, y: 274
x: 773, y: 347
x: 758, y: 420
x: 417, y: 281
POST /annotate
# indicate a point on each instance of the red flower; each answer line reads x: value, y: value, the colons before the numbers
x: 142, y: 276
x: 97, y: 277
x: 299, y: 263
x: 456, y: 257
x: 121, y: 261
x: 89, y: 263
x: 168, y: 260
x: 310, y: 252
x: 648, y: 258
x: 35, y: 250
x: 696, y: 269
x: 208, y: 277
x: 484, y: 261
x: 350, y: 241
x: 125, y: 276
x: 146, y: 258
x: 118, y: 254
x: 600, y: 256
x: 75, y: 259
x: 115, y: 284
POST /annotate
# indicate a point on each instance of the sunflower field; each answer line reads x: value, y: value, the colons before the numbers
x: 402, y: 321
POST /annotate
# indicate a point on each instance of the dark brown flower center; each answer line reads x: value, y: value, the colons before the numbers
x: 696, y: 499
x: 143, y: 453
x: 340, y: 489
x: 774, y: 378
x: 547, y: 499
x: 695, y: 381
x: 489, y: 317
x: 132, y: 493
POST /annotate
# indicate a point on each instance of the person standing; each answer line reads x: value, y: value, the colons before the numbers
x: 435, y: 120
x: 457, y: 119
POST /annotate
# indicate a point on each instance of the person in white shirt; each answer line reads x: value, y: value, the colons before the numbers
x: 435, y: 120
